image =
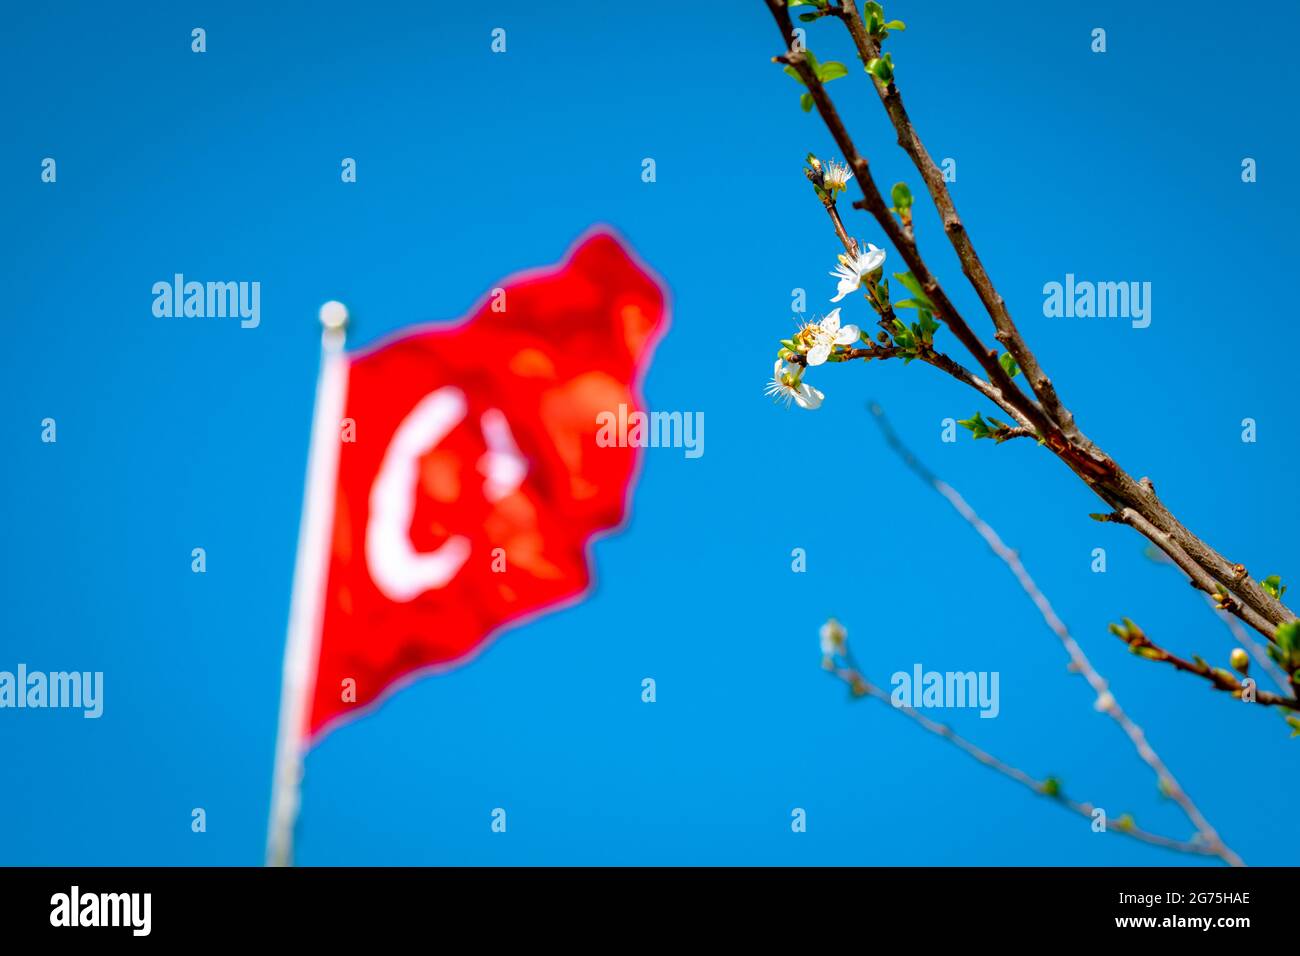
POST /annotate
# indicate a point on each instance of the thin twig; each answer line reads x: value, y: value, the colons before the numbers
x: 850, y: 244
x: 862, y: 688
x: 1240, y: 635
x: 1106, y: 702
x: 1219, y: 679
x: 1007, y: 333
x: 926, y: 354
x: 1256, y: 649
x: 1195, y: 573
x: 944, y: 309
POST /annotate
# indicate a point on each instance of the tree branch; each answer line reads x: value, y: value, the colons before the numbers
x: 1079, y: 663
x: 1195, y: 573
x: 1107, y: 480
x: 927, y: 354
x: 1256, y: 649
x: 873, y: 200
x: 1007, y: 333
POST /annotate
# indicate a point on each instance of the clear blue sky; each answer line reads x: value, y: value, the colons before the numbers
x: 175, y: 434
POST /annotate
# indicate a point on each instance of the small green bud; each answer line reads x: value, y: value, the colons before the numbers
x: 882, y: 68
x: 1240, y: 660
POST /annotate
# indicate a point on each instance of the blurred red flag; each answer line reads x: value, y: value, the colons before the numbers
x: 471, y: 485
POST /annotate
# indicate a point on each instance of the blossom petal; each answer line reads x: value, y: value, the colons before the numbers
x: 872, y: 260
x: 808, y: 397
x: 847, y: 335
x: 818, y: 354
x: 831, y: 323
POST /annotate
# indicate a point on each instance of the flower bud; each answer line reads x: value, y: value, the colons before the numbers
x: 832, y: 636
x: 1240, y: 660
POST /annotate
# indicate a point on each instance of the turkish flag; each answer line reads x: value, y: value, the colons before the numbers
x: 469, y: 482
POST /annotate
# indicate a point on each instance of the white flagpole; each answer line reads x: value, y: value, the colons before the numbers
x: 307, y: 602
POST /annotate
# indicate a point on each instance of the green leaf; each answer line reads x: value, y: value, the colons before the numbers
x: 896, y: 25
x: 928, y: 326
x: 1009, y: 365
x: 792, y: 72
x: 1274, y: 586
x: 809, y: 17
x: 903, y: 337
x: 806, y: 102
x: 832, y: 70
x: 914, y: 287
x: 1288, y: 636
x: 977, y: 426
x: 901, y: 195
